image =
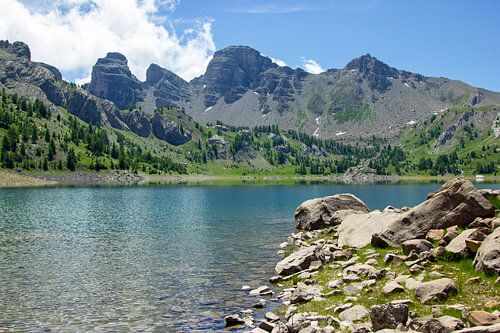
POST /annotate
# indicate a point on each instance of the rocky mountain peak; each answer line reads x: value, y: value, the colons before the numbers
x: 374, y: 70
x: 17, y: 48
x: 112, y: 79
x: 232, y: 71
x: 156, y: 73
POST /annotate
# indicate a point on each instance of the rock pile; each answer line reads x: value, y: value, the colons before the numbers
x: 338, y: 263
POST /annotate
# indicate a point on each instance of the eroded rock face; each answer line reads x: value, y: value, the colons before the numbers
x: 488, y: 256
x: 316, y: 213
x: 112, y: 80
x: 169, y: 131
x: 168, y: 88
x: 457, y: 202
x: 138, y: 123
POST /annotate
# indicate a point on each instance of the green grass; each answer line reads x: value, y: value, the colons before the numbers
x: 355, y: 114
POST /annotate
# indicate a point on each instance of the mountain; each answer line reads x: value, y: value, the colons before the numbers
x: 367, y: 118
x: 241, y: 87
x: 113, y: 88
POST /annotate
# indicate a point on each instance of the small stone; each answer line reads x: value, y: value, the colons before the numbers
x: 473, y: 280
x: 482, y: 318
x: 392, y: 287
x: 342, y: 307
x: 473, y: 245
x: 435, y: 290
x: 271, y: 317
x: 356, y: 313
x: 266, y: 326
x: 435, y: 235
x: 260, y: 304
x: 246, y: 311
x: 233, y: 320
x: 451, y: 323
x: 388, y: 316
x: 333, y: 284
x: 417, y: 245
x: 262, y: 290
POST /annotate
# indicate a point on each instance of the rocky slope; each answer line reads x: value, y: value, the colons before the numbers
x: 444, y: 277
x: 111, y: 79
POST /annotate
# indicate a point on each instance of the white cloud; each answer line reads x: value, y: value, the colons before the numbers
x: 279, y: 62
x: 312, y: 66
x: 72, y: 34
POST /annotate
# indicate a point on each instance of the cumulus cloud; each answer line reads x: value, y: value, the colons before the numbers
x: 279, y: 62
x: 312, y: 66
x: 72, y: 34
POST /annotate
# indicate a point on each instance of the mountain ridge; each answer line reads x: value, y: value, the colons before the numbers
x: 241, y: 87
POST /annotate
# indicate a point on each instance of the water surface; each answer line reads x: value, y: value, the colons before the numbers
x: 164, y: 259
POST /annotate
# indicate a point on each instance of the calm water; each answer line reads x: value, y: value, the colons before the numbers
x: 164, y: 259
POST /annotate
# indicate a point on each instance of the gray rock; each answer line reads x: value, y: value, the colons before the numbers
x: 458, y: 246
x: 417, y: 245
x: 488, y: 255
x: 392, y: 287
x: 457, y: 202
x: 356, y: 313
x: 451, y: 323
x: 434, y: 290
x: 481, y: 329
x: 297, y: 261
x: 316, y: 213
x: 482, y: 318
x: 233, y: 320
x: 433, y: 325
x: 388, y: 316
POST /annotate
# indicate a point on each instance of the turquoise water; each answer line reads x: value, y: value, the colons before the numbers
x: 148, y: 258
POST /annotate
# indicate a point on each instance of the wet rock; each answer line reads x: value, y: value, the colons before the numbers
x: 267, y: 326
x: 233, y: 320
x: 297, y: 261
x: 262, y: 290
x: 316, y: 213
x: 356, y: 313
x: 388, y: 316
x: 488, y: 255
x: 482, y: 318
x: 260, y: 304
x: 271, y: 317
x: 417, y: 245
x: 435, y: 290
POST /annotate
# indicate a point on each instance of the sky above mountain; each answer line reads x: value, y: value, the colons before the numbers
x: 457, y: 39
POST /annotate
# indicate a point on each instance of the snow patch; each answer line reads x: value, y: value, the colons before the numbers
x: 204, y: 86
x: 317, y: 120
x: 340, y: 133
x: 411, y: 122
x: 207, y: 109
x: 406, y: 84
x: 316, y: 132
x: 256, y: 93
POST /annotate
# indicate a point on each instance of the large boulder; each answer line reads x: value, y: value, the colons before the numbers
x: 297, y: 261
x: 457, y: 202
x: 488, y: 256
x: 356, y: 230
x: 435, y: 290
x: 316, y: 213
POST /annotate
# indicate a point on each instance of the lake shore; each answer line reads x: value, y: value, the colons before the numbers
x: 9, y: 178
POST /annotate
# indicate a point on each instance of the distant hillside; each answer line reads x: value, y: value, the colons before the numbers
x: 243, y: 88
x: 245, y: 115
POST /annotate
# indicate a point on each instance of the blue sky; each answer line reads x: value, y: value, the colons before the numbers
x: 456, y: 39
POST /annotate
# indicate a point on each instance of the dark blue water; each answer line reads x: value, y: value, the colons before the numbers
x: 148, y: 258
